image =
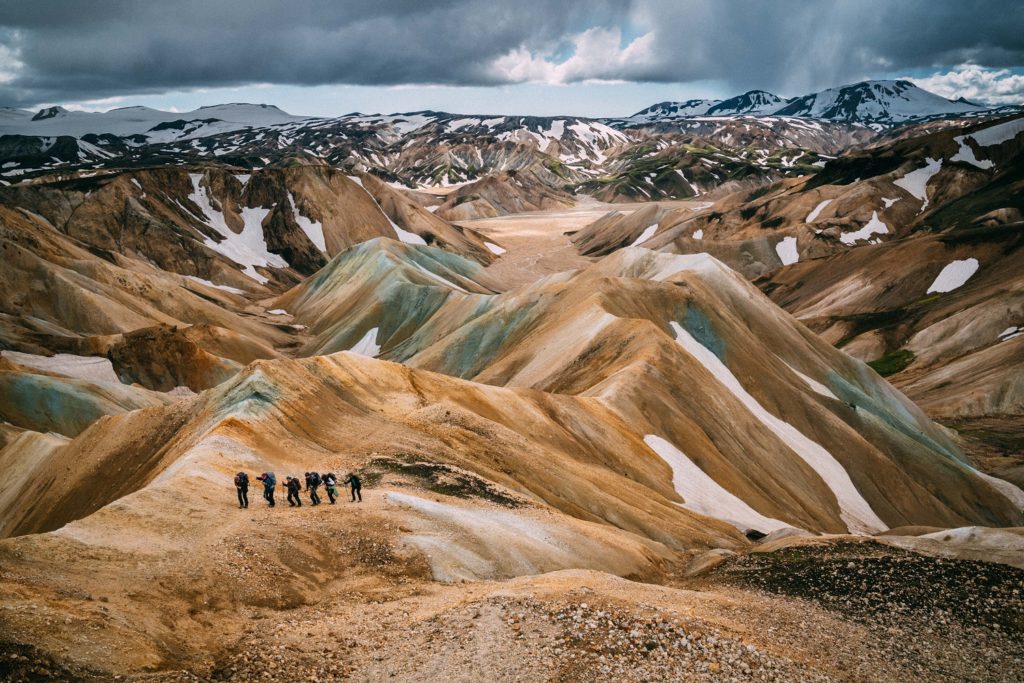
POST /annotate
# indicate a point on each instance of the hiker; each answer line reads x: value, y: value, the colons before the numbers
x: 357, y: 487
x: 269, y: 482
x: 294, y: 487
x: 312, y: 484
x: 331, y: 484
x: 242, y: 487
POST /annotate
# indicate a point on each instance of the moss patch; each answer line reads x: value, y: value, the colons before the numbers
x: 892, y: 363
x: 437, y: 478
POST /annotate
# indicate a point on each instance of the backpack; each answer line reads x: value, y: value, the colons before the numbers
x: 241, y: 479
x: 269, y: 479
x: 314, y: 479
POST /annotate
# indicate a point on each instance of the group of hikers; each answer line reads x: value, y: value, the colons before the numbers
x: 294, y: 485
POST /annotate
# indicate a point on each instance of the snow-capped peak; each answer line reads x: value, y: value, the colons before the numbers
x: 753, y: 102
x: 875, y: 102
x: 674, y: 110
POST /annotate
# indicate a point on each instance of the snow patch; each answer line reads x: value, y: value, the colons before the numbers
x: 889, y: 202
x: 1010, y: 333
x: 786, y: 249
x: 225, y: 288
x: 954, y: 275
x: 1000, y: 133
x: 460, y: 123
x: 494, y: 248
x: 403, y: 235
x: 854, y: 510
x: 874, y: 227
x: 966, y: 154
x: 916, y: 182
x: 698, y: 234
x: 313, y: 229
x: 367, y: 346
x: 813, y: 215
x: 814, y: 384
x: 704, y: 495
x: 278, y: 311
x: 248, y: 248
x: 647, y: 234
x: 694, y: 188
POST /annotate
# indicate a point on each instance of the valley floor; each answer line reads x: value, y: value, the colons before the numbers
x: 537, y: 242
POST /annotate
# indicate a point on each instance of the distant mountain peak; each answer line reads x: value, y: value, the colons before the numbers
x: 750, y: 102
x: 875, y: 102
x: 49, y: 113
x: 244, y: 105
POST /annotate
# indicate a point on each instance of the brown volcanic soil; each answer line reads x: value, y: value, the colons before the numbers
x: 160, y: 577
x: 996, y: 443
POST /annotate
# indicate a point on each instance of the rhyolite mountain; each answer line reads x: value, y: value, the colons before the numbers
x: 580, y: 412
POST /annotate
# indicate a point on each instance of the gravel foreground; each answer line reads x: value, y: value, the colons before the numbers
x: 849, y: 611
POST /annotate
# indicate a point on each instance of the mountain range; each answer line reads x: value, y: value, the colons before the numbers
x: 723, y: 390
x: 878, y: 103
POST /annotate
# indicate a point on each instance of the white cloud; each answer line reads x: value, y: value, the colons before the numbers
x: 976, y: 83
x: 11, y: 65
x: 598, y: 56
x: 99, y: 104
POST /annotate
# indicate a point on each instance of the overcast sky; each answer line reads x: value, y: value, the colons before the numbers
x: 586, y: 57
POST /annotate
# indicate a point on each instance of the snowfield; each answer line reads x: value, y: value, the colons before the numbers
x: 954, y: 276
x: 999, y: 133
x: 247, y: 248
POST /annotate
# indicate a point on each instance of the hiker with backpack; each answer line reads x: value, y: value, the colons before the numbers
x: 269, y: 482
x: 331, y: 484
x: 357, y: 487
x: 294, y: 486
x: 242, y: 487
x: 312, y: 484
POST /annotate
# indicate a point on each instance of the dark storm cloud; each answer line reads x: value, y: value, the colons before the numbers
x: 63, y: 51
x: 73, y: 50
x: 797, y: 45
